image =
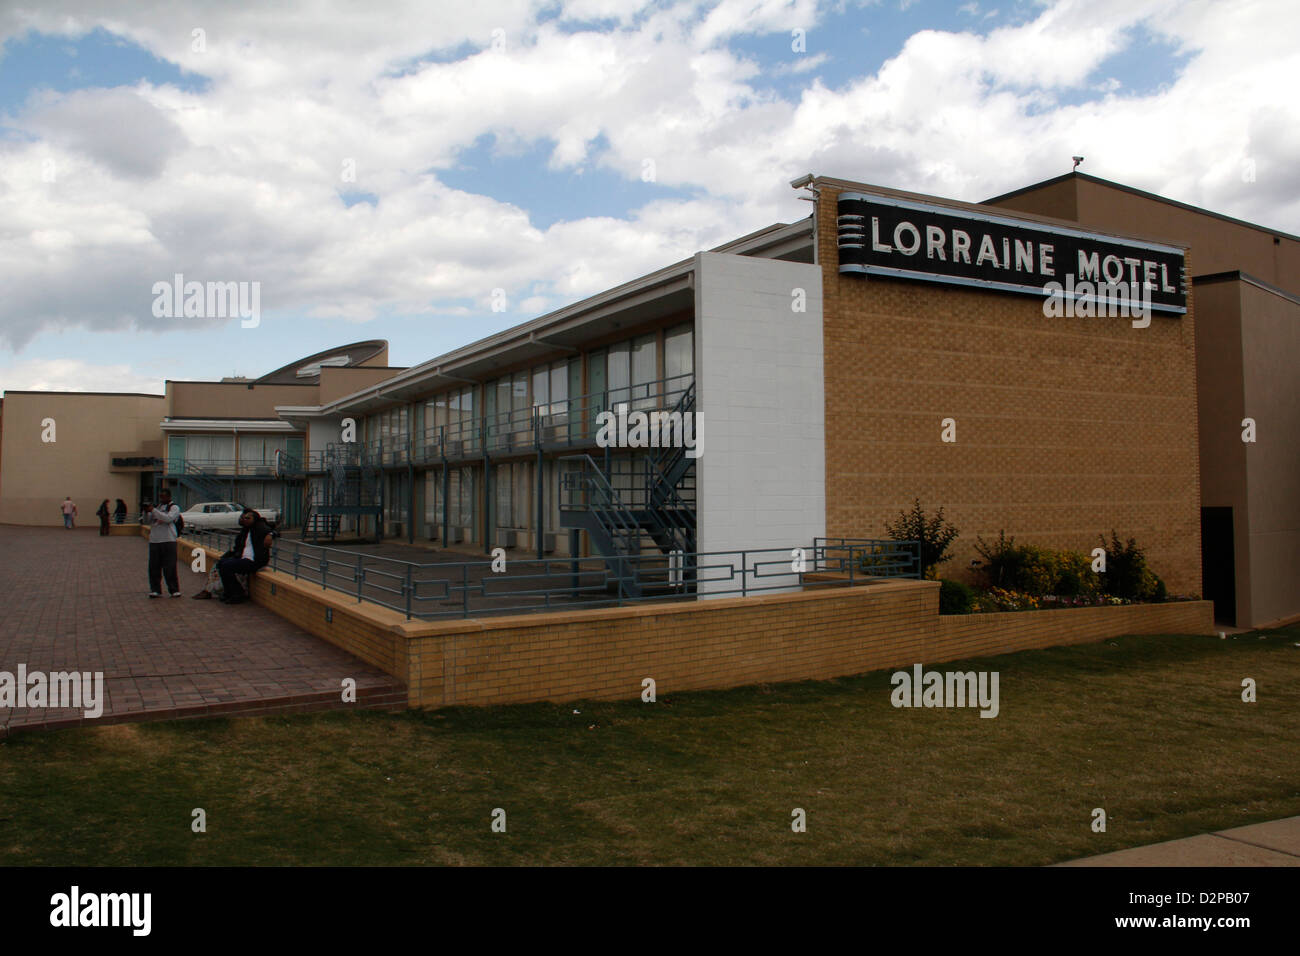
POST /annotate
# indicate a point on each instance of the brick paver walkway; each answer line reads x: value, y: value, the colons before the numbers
x: 75, y: 601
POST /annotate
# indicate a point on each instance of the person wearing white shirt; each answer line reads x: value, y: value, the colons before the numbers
x: 162, y: 544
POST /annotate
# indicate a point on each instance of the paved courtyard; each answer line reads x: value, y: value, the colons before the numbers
x: 75, y: 601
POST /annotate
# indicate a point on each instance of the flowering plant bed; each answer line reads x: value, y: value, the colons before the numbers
x: 1001, y: 599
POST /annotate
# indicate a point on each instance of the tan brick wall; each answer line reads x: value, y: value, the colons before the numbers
x: 1066, y: 427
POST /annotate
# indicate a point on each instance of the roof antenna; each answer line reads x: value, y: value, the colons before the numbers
x: 1077, y: 161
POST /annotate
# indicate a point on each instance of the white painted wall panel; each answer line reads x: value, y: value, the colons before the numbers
x: 761, y: 480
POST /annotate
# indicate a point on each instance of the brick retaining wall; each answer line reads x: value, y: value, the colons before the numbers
x: 605, y: 654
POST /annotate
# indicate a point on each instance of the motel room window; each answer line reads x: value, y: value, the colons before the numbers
x: 631, y: 371
x: 618, y: 378
x: 679, y: 360
x: 259, y: 450
x: 453, y: 412
x: 504, y: 488
x: 550, y: 397
x: 211, y: 452
x: 645, y: 370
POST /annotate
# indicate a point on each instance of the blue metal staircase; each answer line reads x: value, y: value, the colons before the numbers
x: 621, y: 506
x: 197, y: 480
x: 353, y: 487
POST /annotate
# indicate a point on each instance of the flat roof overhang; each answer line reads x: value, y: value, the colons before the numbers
x: 656, y: 296
x: 225, y: 425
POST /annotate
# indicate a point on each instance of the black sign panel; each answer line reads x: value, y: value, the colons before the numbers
x: 892, y: 237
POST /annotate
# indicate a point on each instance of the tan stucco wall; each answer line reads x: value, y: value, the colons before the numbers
x: 338, y: 382
x: 1220, y: 400
x: 88, y: 428
x: 1066, y: 427
x: 234, y: 399
x: 1270, y: 346
x: 1215, y: 244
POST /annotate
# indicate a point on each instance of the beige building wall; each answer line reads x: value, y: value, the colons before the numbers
x: 88, y: 428
x: 1066, y: 428
x: 234, y: 399
x: 336, y: 383
x: 1217, y: 244
x: 1270, y: 347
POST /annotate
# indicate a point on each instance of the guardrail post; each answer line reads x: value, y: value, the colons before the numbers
x: 360, y: 576
x: 408, y: 592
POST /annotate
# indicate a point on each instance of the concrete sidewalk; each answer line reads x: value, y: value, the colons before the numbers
x: 1276, y: 843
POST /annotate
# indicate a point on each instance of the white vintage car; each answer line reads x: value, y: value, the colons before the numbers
x: 223, y: 515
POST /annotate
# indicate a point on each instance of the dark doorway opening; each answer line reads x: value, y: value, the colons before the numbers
x: 1218, y: 563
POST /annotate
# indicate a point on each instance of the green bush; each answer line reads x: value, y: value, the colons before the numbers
x: 1075, y: 576
x: 1126, y: 574
x: 1002, y: 561
x: 935, y: 535
x: 955, y: 597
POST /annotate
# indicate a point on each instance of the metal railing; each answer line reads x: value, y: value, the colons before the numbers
x: 223, y: 468
x: 438, y: 590
x: 867, y: 557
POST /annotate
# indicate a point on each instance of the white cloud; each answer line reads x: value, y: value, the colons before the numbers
x: 242, y: 181
x: 75, y: 375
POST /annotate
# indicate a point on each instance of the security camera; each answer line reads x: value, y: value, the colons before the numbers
x: 801, y: 181
x: 1077, y: 161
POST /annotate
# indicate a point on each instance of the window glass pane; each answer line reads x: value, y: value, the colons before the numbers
x: 617, y: 378
x: 541, y: 386
x: 679, y: 356
x: 503, y: 396
x: 559, y: 388
x: 644, y: 370
x: 519, y: 391
x: 503, y: 494
x: 522, y: 496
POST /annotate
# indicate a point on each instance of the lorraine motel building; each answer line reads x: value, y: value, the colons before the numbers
x: 889, y: 346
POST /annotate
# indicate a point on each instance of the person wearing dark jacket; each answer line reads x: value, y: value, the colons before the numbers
x: 119, y: 513
x: 103, y: 514
x: 251, y: 553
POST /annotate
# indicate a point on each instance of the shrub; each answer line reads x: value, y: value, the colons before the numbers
x: 1075, y: 576
x: 935, y: 535
x: 1126, y: 569
x: 955, y: 597
x: 1002, y: 561
x: 1037, y: 572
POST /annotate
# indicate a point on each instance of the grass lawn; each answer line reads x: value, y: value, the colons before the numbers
x: 1153, y: 729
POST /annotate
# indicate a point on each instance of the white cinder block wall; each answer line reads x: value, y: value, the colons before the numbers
x: 761, y: 480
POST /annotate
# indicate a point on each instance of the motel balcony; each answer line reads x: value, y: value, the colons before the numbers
x: 565, y: 425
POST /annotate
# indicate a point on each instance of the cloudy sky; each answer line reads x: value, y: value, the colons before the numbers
x: 380, y: 168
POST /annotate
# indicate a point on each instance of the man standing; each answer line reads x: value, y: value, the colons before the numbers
x: 162, y: 544
x: 69, y: 512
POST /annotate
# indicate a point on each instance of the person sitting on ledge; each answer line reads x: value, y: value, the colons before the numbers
x: 251, y: 553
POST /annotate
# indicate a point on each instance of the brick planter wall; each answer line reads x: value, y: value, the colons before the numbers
x: 705, y: 645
